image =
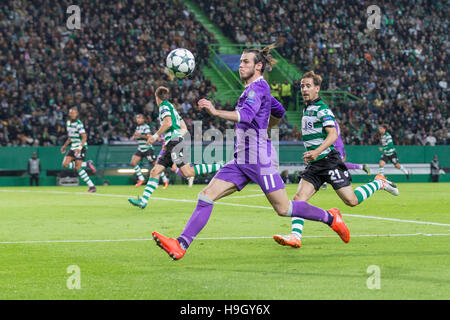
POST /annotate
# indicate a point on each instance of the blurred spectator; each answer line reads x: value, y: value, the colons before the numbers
x: 286, y: 93
x: 275, y: 90
x: 435, y: 168
x: 34, y: 169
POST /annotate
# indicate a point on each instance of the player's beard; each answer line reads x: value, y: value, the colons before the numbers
x: 245, y: 78
x: 307, y: 100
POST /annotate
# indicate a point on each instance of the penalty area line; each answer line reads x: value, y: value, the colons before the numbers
x: 223, y: 238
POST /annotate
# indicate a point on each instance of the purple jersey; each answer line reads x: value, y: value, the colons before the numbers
x: 254, y: 108
x: 277, y: 110
x: 255, y: 157
x: 339, y: 144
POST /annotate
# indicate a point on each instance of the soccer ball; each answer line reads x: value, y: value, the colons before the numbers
x: 180, y: 62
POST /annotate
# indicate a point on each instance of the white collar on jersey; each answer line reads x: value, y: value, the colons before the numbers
x: 257, y: 79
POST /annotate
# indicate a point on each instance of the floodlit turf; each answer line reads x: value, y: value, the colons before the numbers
x: 45, y: 230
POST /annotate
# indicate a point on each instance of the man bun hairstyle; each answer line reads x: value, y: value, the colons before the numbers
x: 264, y: 56
x: 317, y: 80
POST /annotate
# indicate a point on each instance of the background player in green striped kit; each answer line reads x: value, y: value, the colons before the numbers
x: 173, y: 128
x: 144, y: 150
x: 77, y: 138
x: 324, y: 163
x: 389, y: 153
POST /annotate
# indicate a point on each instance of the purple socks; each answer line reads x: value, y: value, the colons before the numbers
x: 352, y: 165
x: 197, y: 221
x: 302, y: 209
x: 178, y: 172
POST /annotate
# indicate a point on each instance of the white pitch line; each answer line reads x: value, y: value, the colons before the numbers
x: 229, y: 204
x: 222, y: 238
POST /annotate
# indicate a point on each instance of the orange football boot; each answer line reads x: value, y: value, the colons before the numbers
x: 289, y: 240
x: 338, y: 225
x: 169, y: 245
x: 380, y: 176
x: 139, y: 183
x: 166, y: 184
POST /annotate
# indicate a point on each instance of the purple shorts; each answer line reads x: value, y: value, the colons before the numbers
x: 268, y: 178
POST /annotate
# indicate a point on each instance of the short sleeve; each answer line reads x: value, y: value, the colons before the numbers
x: 164, y: 111
x: 80, y: 128
x: 250, y: 106
x: 326, y: 116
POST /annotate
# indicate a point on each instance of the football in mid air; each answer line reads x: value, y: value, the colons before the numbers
x: 180, y: 62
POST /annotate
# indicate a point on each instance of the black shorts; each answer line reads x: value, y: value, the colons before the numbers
x: 330, y: 169
x: 81, y: 156
x: 393, y: 158
x: 173, y: 153
x: 149, y: 155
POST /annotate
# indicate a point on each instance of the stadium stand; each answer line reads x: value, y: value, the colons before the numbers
x: 109, y: 70
x: 398, y: 70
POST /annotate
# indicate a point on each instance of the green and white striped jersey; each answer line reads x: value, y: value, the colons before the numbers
x: 316, y: 117
x: 387, y: 144
x: 166, y: 109
x: 74, y: 131
x: 143, y: 129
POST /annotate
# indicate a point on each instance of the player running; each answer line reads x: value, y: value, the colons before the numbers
x: 389, y: 153
x: 324, y: 163
x: 252, y: 160
x: 173, y: 128
x: 76, y: 137
x: 144, y: 150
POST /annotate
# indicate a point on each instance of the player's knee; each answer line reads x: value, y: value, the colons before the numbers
x: 282, y: 210
x: 188, y: 171
x: 206, y: 196
x: 351, y: 202
x: 154, y: 172
x: 297, y: 197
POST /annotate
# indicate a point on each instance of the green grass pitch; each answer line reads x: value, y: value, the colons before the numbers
x: 45, y: 230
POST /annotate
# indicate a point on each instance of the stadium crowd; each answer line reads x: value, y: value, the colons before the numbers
x: 399, y: 70
x: 110, y: 68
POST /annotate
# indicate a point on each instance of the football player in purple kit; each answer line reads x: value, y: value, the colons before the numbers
x: 252, y: 160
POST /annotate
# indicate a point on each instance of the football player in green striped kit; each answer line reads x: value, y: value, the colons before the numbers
x: 324, y: 163
x: 77, y: 139
x: 144, y: 150
x: 173, y: 128
x: 389, y: 153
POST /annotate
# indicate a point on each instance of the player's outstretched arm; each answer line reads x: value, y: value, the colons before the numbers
x: 222, y: 114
